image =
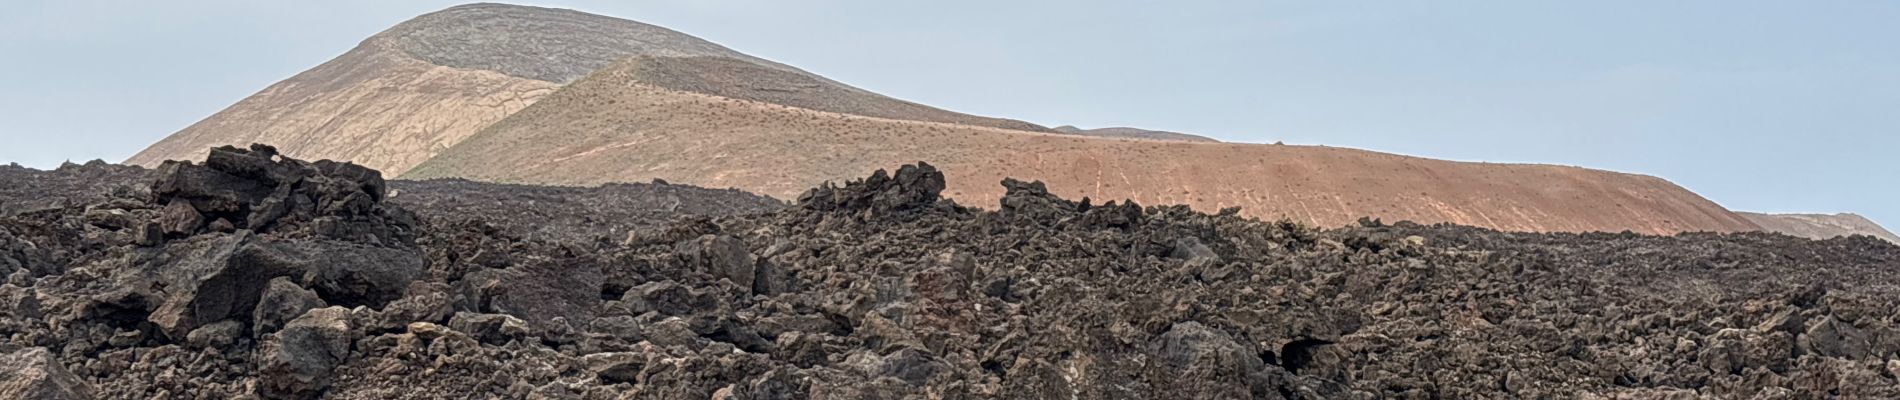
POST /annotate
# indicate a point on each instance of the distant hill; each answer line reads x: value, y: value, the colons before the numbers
x: 1820, y: 226
x: 614, y: 127
x: 549, y: 96
x: 1133, y: 133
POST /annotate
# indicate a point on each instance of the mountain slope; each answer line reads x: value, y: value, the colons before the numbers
x: 612, y: 127
x: 1820, y: 226
x: 423, y: 85
x: 1133, y: 133
x: 732, y: 78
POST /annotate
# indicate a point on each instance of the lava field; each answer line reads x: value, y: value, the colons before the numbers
x: 253, y: 275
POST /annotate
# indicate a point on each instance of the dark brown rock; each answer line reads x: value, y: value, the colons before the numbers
x: 35, y: 374
x: 299, y: 361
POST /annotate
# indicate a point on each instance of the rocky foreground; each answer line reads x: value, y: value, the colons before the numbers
x: 256, y: 276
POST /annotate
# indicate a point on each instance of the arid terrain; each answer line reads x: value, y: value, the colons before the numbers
x: 1132, y: 133
x: 509, y: 202
x: 613, y: 127
x: 420, y: 87
x: 457, y: 94
x: 1820, y: 226
x: 257, y: 276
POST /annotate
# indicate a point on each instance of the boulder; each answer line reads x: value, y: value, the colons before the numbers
x: 261, y: 191
x: 1201, y: 362
x: 34, y: 373
x: 913, y: 187
x: 300, y: 361
x: 354, y: 274
x: 541, y: 290
x: 212, y: 280
x: 179, y: 218
x: 720, y: 255
x: 223, y: 277
x: 1832, y: 338
x: 219, y: 335
x: 281, y: 302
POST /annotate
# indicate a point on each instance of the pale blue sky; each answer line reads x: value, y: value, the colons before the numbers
x: 1758, y: 105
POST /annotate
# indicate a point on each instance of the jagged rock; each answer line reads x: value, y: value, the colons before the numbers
x: 179, y: 218
x: 1833, y: 338
x: 423, y: 302
x: 489, y: 328
x: 1086, y: 301
x: 268, y: 193
x: 221, y: 334
x: 111, y: 219
x: 666, y: 298
x: 1032, y: 201
x: 618, y: 367
x: 539, y: 291
x: 720, y: 255
x: 223, y: 277
x: 674, y: 332
x: 353, y: 274
x: 34, y: 373
x: 1201, y: 362
x: 427, y: 330
x: 671, y: 233
x: 913, y: 187
x: 1734, y: 351
x: 218, y: 279
x: 19, y: 302
x: 1788, y: 320
x: 281, y: 302
x: 300, y: 360
x: 946, y: 279
x: 911, y: 366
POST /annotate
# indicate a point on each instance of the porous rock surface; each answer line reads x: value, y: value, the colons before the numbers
x: 881, y: 288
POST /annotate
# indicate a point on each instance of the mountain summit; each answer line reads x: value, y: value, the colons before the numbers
x: 422, y: 86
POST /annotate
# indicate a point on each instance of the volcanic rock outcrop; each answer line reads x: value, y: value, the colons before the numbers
x: 885, y: 288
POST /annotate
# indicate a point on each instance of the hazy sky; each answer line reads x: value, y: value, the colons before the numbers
x: 1758, y: 105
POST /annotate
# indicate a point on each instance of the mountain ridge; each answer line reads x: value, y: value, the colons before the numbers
x: 611, y: 127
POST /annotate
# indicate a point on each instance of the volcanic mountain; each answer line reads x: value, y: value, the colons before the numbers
x: 545, y: 96
x: 426, y: 84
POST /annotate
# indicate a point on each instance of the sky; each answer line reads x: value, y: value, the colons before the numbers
x: 1758, y: 105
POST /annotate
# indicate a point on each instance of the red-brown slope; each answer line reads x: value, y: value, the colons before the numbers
x: 610, y: 127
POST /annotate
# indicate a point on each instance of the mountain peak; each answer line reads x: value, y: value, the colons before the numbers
x: 546, y: 44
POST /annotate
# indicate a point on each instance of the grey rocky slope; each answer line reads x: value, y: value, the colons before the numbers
x: 880, y: 288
